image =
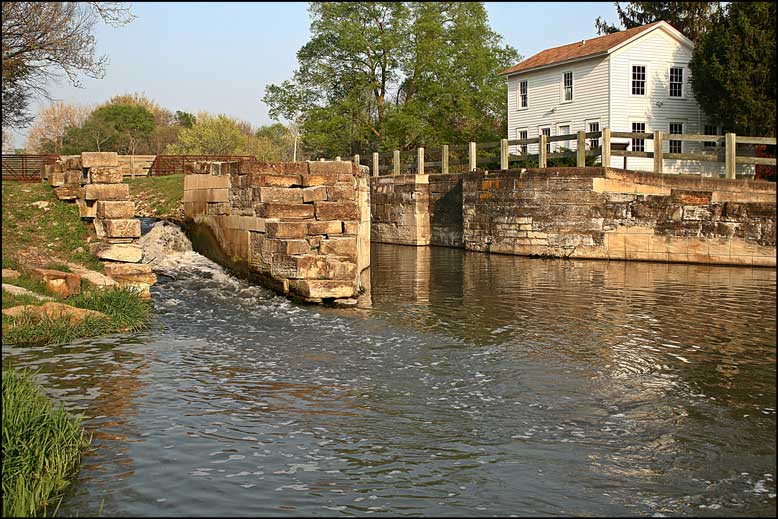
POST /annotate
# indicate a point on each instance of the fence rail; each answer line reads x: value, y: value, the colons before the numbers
x: 171, y: 164
x: 25, y: 167
x: 725, y: 152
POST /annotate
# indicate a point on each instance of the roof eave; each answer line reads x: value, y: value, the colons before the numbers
x: 555, y: 64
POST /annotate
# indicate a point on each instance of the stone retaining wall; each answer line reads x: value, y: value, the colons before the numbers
x: 300, y: 228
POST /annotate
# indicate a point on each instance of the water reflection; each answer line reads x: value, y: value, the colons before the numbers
x: 475, y: 385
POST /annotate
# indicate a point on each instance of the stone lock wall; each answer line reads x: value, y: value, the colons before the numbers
x: 301, y: 228
x: 616, y: 214
x: 445, y: 206
x: 399, y: 207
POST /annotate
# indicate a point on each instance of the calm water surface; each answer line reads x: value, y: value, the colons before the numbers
x: 476, y: 385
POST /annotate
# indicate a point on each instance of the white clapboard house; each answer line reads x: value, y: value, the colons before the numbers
x: 630, y: 81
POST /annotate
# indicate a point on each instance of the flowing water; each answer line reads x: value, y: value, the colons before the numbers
x: 476, y: 385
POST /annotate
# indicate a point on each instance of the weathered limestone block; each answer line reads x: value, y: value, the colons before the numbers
x: 86, y: 210
x: 121, y: 228
x: 218, y: 208
x: 325, y: 227
x: 290, y: 247
x: 207, y: 195
x: 280, y: 195
x: 274, y: 168
x: 73, y: 178
x: 315, y: 194
x: 351, y: 228
x: 57, y: 176
x: 345, y: 246
x: 105, y: 175
x: 325, y: 178
x: 130, y: 272
x: 73, y: 163
x: 107, y: 192
x: 341, y: 193
x: 206, y: 182
x: 91, y: 159
x: 64, y: 284
x: 330, y: 167
x: 115, y: 208
x: 336, y: 211
x: 284, y: 211
x: 285, y: 229
x: 265, y: 180
x: 69, y: 192
x: 53, y: 310
x: 321, y: 289
x: 10, y: 274
x: 126, y: 253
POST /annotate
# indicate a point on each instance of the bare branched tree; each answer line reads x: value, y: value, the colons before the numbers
x: 46, y: 41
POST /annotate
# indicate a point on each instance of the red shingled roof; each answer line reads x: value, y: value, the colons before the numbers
x: 599, y: 45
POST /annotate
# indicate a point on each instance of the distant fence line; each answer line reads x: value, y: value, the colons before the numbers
x: 726, y: 152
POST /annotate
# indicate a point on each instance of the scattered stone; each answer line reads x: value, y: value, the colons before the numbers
x: 92, y: 159
x: 64, y: 284
x: 20, y: 291
x: 53, y: 310
x: 95, y: 278
x: 41, y: 204
x: 126, y: 253
x: 129, y: 272
x: 69, y: 192
x: 10, y: 274
x: 86, y: 210
x: 122, y: 228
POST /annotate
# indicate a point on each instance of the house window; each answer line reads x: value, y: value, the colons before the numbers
x: 638, y: 80
x: 568, y: 84
x: 638, y: 144
x: 710, y: 129
x: 594, y: 127
x: 564, y: 130
x: 676, y: 82
x: 547, y: 133
x: 523, y: 147
x: 676, y: 146
x: 523, y: 94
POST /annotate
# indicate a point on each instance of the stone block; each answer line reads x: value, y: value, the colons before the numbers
x: 285, y: 229
x: 290, y: 247
x: 105, y: 175
x: 218, y: 208
x: 336, y: 211
x: 321, y: 289
x: 351, y: 228
x: 86, y: 210
x: 69, y: 192
x: 57, y: 177
x: 64, y: 284
x: 73, y: 163
x: 315, y: 194
x: 206, y: 182
x: 115, y: 209
x: 107, y: 192
x: 274, y: 168
x: 91, y: 159
x: 320, y: 179
x: 265, y: 180
x: 340, y: 246
x: 280, y: 195
x: 121, y: 228
x: 207, y: 195
x: 130, y: 272
x: 341, y: 193
x: 73, y: 178
x: 325, y: 227
x: 284, y: 211
x: 126, y: 253
x: 330, y: 167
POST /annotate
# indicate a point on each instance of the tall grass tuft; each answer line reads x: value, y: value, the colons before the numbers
x: 41, y: 447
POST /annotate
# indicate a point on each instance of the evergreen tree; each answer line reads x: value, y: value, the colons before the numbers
x: 691, y: 18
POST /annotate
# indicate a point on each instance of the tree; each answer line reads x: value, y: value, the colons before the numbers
x: 210, y: 135
x: 691, y: 18
x: 47, y: 133
x: 132, y: 124
x: 381, y: 74
x: 44, y: 41
x: 184, y: 119
x: 94, y: 135
x: 8, y: 142
x: 733, y: 69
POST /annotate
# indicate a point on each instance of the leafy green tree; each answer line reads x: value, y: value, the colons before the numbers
x: 377, y: 75
x: 184, y: 119
x: 734, y: 71
x: 210, y: 135
x: 132, y: 123
x: 691, y: 18
x: 93, y: 135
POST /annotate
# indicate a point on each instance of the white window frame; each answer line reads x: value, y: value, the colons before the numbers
x: 669, y: 143
x: 548, y: 144
x: 587, y: 123
x: 518, y: 95
x: 645, y: 130
x: 565, y: 144
x: 710, y: 145
x: 646, y: 88
x: 523, y: 148
x: 562, y: 99
x: 684, y: 80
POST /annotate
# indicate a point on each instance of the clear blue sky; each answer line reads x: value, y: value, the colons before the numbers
x: 219, y: 57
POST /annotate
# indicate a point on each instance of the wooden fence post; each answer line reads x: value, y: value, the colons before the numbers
x: 472, y: 156
x: 503, y: 154
x: 444, y: 160
x: 420, y: 161
x: 356, y: 159
x: 375, y: 164
x: 730, y: 142
x: 658, y: 151
x: 337, y: 158
x: 580, y: 150
x: 396, y: 162
x: 542, y: 157
x: 606, y: 147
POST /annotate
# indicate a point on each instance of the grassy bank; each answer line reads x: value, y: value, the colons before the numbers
x: 41, y: 448
x: 158, y: 197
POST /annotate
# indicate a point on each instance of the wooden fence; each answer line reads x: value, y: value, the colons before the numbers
x: 724, y: 151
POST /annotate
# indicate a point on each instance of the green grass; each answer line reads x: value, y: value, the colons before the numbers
x: 163, y: 195
x: 125, y: 311
x: 57, y: 233
x: 41, y: 448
